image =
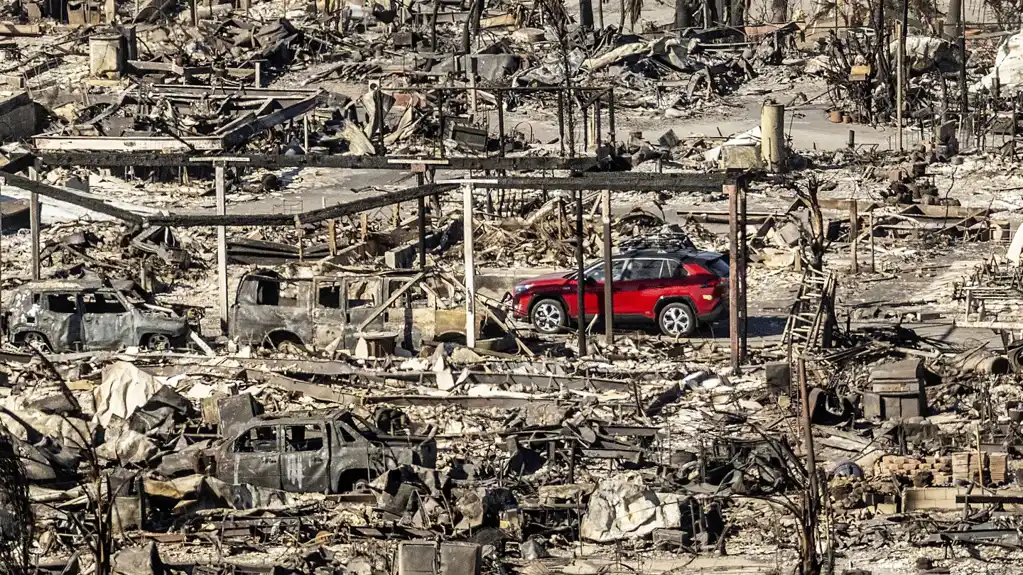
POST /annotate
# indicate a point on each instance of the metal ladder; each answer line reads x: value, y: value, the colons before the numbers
x: 806, y: 320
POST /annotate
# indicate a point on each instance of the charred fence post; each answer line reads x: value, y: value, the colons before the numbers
x: 420, y: 181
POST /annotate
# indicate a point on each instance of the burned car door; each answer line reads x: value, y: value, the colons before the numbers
x: 362, y: 299
x: 305, y: 459
x: 351, y: 455
x: 106, y: 321
x: 253, y: 458
x: 58, y: 317
x: 328, y: 311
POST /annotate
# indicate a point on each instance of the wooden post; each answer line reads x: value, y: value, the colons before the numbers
x: 854, y: 232
x: 34, y: 223
x: 470, y: 267
x: 332, y: 229
x: 222, y: 248
x: 605, y: 208
x: 363, y: 226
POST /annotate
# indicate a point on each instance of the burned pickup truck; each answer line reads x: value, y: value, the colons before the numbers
x: 318, y: 311
x: 93, y: 314
x: 315, y: 452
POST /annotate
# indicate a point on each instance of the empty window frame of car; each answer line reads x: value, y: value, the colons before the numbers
x: 262, y: 439
x: 62, y: 302
x: 103, y: 302
x: 303, y: 437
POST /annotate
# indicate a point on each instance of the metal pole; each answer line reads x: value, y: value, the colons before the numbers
x: 811, y: 457
x: 378, y: 97
x: 561, y: 121
x: 900, y: 72
x: 605, y: 208
x: 732, y: 191
x: 500, y: 121
x: 964, y: 93
x: 35, y: 223
x: 873, y: 268
x: 421, y: 180
x: 580, y: 264
x: 854, y: 231
x: 611, y: 115
x: 222, y: 248
x: 743, y: 258
x: 470, y: 266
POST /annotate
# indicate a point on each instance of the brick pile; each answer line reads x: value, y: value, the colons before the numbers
x: 967, y: 466
x: 940, y: 467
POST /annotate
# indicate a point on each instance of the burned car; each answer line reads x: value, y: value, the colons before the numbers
x: 320, y: 452
x: 316, y: 312
x: 75, y: 315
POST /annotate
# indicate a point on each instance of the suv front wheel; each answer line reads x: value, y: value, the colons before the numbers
x: 548, y: 316
x: 677, y: 320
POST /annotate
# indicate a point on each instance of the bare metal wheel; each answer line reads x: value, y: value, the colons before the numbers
x: 158, y: 342
x: 36, y: 340
x: 548, y: 316
x: 677, y: 320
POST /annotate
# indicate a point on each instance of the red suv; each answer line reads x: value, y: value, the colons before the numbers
x: 677, y: 290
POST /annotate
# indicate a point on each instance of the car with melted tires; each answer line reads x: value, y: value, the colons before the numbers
x: 83, y: 314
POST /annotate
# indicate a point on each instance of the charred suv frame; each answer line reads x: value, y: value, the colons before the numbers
x: 319, y: 452
x: 74, y: 315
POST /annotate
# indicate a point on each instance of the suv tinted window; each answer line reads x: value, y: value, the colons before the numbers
x: 671, y: 269
x: 719, y: 266
x: 596, y: 271
x: 644, y: 269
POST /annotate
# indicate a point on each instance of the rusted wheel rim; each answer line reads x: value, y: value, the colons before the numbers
x: 158, y: 342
